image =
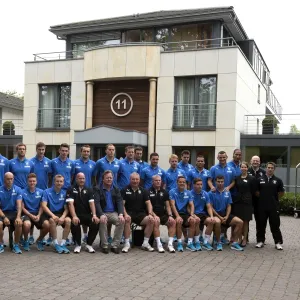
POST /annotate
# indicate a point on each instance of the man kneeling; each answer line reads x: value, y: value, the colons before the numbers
x: 221, y: 202
x: 137, y: 209
x: 80, y: 200
x: 54, y: 206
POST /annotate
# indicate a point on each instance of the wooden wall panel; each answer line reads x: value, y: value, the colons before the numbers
x: 137, y: 119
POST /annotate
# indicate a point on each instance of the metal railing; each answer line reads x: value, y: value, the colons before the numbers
x: 53, y: 118
x: 11, y: 126
x: 269, y: 124
x: 169, y: 46
x: 274, y: 104
x: 194, y: 115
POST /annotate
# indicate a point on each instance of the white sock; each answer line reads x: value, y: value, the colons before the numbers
x: 171, y: 239
x: 197, y: 238
x: 206, y: 238
x: 62, y: 242
x: 126, y: 241
x: 158, y: 242
x: 190, y: 240
x: 201, y: 232
x: 146, y: 241
x: 179, y: 241
x: 55, y: 242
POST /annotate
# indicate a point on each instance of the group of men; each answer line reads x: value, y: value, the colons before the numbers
x: 45, y: 193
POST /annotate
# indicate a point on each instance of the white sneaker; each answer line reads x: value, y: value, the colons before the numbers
x: 147, y: 247
x: 278, y: 247
x: 90, y: 249
x: 171, y: 249
x: 259, y: 245
x: 160, y: 249
x: 77, y: 249
x: 126, y: 248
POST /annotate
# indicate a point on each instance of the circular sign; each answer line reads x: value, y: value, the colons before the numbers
x: 121, y: 104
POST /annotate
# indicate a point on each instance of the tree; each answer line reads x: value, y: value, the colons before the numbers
x: 294, y: 129
x: 13, y: 93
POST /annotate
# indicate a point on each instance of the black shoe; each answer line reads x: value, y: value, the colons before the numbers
x: 105, y: 250
x: 115, y: 250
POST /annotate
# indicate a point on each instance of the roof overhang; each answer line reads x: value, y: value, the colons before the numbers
x: 105, y: 135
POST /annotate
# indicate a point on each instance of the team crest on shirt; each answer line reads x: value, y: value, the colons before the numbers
x: 84, y: 191
x: 62, y: 197
x: 37, y: 193
x: 69, y: 165
x: 260, y: 173
x: 90, y: 166
x: 2, y: 160
x: 274, y: 181
x: 140, y: 192
x: 161, y: 194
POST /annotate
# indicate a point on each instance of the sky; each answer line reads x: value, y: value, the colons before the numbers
x: 24, y: 31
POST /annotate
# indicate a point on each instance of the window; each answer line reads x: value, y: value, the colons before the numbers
x: 133, y: 36
x: 54, y: 106
x: 258, y: 94
x: 195, y: 102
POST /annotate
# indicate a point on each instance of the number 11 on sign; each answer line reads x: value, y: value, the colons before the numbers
x: 119, y: 104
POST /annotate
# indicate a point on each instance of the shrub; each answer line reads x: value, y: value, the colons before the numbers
x: 287, y: 203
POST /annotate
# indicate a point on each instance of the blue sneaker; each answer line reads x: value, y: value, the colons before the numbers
x: 44, y: 242
x: 207, y: 246
x: 65, y: 249
x: 110, y: 239
x: 58, y: 249
x: 26, y: 245
x: 31, y: 240
x: 21, y: 242
x: 186, y: 240
x: 198, y: 246
x: 49, y: 241
x: 215, y: 240
x: 191, y: 247
x: 68, y: 242
x: 175, y: 239
x: 84, y: 240
x: 201, y: 239
x: 40, y: 245
x: 236, y: 246
x: 179, y: 247
x: 16, y: 249
x: 224, y: 241
x: 1, y: 248
x: 219, y: 247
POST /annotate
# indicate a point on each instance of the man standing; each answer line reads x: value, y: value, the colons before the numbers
x: 137, y: 209
x: 64, y: 166
x: 235, y: 162
x: 184, y: 163
x: 54, y: 206
x: 20, y: 166
x: 162, y: 213
x: 173, y: 173
x: 33, y: 213
x: 127, y: 166
x: 199, y: 172
x: 4, y: 167
x: 148, y: 172
x: 10, y: 210
x: 80, y: 200
x: 108, y: 162
x: 221, y: 204
x: 182, y: 206
x: 109, y: 205
x: 138, y: 154
x: 270, y: 189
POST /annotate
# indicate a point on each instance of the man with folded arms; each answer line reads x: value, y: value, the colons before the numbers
x: 80, y: 200
x: 109, y: 206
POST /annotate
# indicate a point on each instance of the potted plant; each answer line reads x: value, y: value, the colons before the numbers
x: 8, y: 128
x: 269, y: 125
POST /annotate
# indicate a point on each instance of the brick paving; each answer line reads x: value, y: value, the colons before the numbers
x: 254, y: 274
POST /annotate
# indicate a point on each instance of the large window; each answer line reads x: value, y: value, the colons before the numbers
x: 195, y: 102
x: 54, y: 106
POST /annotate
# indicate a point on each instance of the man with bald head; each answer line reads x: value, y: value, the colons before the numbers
x: 10, y: 210
x: 80, y: 200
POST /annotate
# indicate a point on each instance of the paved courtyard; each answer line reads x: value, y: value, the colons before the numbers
x: 254, y: 274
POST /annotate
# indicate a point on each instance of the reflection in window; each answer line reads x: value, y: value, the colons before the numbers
x: 79, y: 48
x: 132, y: 36
x: 147, y: 35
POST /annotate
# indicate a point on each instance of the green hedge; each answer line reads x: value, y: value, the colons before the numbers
x: 287, y: 203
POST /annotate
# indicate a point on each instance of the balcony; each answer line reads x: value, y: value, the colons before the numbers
x: 274, y: 105
x: 11, y: 127
x: 53, y: 119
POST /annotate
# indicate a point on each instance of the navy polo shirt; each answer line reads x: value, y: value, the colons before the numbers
x: 32, y: 200
x: 109, y: 208
x: 85, y: 167
x: 55, y: 201
x: 64, y: 168
x: 4, y: 167
x: 200, y: 202
x: 9, y: 197
x: 195, y: 173
x: 148, y: 172
x: 185, y: 167
x: 171, y: 178
x: 21, y: 169
x: 41, y: 168
x: 104, y: 164
x: 126, y: 169
x: 226, y: 171
x: 182, y: 199
x: 220, y: 201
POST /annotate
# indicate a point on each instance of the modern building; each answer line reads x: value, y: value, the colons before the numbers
x: 166, y: 80
x: 11, y: 121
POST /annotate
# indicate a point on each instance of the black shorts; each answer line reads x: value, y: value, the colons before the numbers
x: 11, y: 215
x: 137, y: 217
x: 58, y: 214
x: 202, y: 218
x: 228, y: 221
x: 38, y: 224
x: 163, y: 219
x: 185, y: 218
